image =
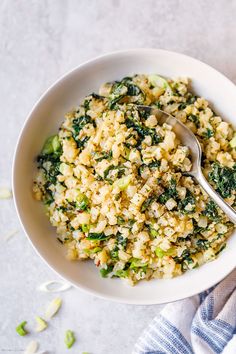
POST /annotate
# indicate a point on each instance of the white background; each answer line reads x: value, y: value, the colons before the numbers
x: 39, y: 41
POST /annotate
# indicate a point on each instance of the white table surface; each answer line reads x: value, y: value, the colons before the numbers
x: 39, y: 41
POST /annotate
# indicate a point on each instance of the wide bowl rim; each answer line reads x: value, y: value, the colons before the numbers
x: 114, y: 298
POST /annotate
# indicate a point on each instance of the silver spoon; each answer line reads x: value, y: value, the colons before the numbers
x: 189, y: 139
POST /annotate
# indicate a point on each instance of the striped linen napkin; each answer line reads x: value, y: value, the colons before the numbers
x: 202, y: 324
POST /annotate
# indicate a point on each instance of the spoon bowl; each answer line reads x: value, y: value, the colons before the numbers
x: 188, y: 139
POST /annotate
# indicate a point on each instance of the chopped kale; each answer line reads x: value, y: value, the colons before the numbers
x: 220, y: 249
x: 146, y: 203
x: 184, y: 259
x: 97, y: 236
x: 170, y: 192
x: 189, y: 199
x: 131, y: 222
x: 96, y: 96
x: 123, y: 88
x: 224, y: 179
x: 151, y: 165
x: 202, y: 244
x: 121, y: 240
x: 154, y: 164
x: 119, y: 89
x: 86, y: 104
x: 114, y: 253
x: 105, y: 155
x: 208, y: 134
x: 120, y: 170
x: 120, y: 220
x: 81, y: 143
x: 196, y: 229
x: 144, y: 113
x: 159, y: 105
x: 194, y: 119
x: 79, y: 123
x: 141, y: 169
x: 182, y: 105
x: 143, y: 131
x: 211, y: 211
x: 51, y: 169
x: 184, y: 239
x: 191, y: 98
x: 133, y: 90
x: 114, y: 101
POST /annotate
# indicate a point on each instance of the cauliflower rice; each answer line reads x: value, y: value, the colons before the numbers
x: 116, y: 184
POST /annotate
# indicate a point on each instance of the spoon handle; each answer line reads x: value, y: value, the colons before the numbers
x: 227, y: 209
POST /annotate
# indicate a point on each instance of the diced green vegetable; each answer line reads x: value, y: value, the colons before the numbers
x: 96, y: 250
x: 232, y: 142
x: 56, y: 143
x: 51, y: 145
x: 20, y: 329
x: 85, y: 228
x: 92, y: 251
x: 41, y: 324
x: 160, y: 253
x: 136, y: 263
x: 105, y: 271
x: 122, y: 273
x: 69, y: 338
x: 123, y: 182
x: 153, y: 232
x: 159, y: 82
x: 62, y: 167
x: 82, y: 201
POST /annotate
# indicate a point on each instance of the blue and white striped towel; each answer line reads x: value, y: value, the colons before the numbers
x: 202, y: 324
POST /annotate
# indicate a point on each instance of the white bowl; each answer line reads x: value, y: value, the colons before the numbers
x: 45, y: 119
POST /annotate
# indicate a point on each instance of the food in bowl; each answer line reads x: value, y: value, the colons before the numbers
x: 116, y: 185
